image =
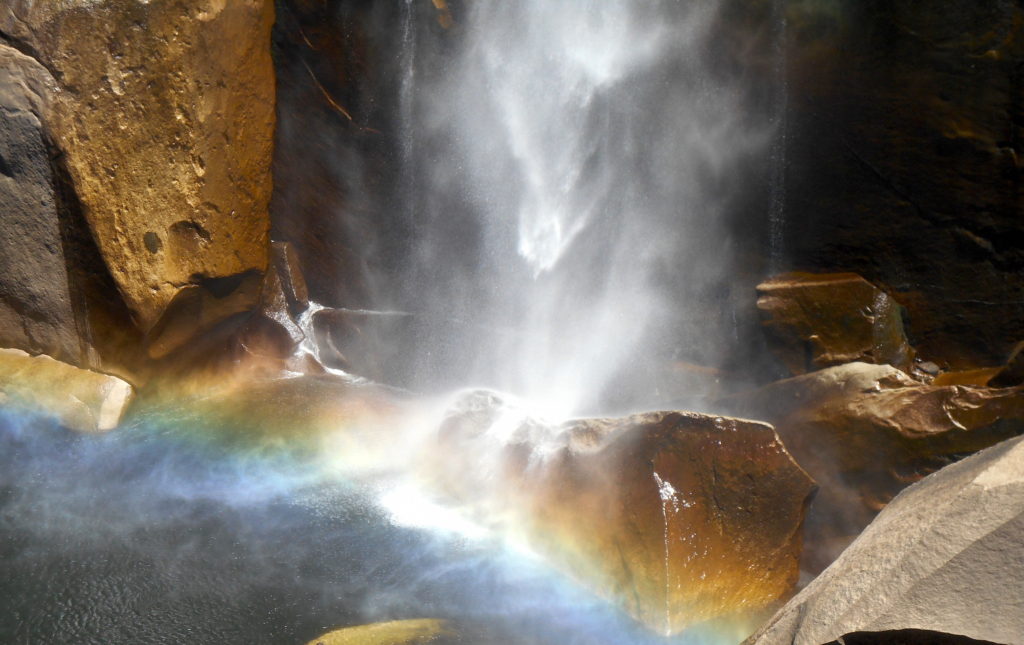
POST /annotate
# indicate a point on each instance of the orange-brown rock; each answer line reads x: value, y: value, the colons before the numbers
x: 865, y: 432
x: 681, y: 518
x: 818, y: 320
x: 165, y: 114
x: 78, y: 399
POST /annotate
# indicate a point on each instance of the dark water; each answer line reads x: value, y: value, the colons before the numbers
x: 155, y: 536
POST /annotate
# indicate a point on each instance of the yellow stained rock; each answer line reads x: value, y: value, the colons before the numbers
x: 165, y: 115
x: 79, y: 399
x: 396, y: 632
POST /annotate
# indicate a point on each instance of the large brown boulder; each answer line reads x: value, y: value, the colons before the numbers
x: 78, y: 399
x: 56, y: 295
x: 818, y: 320
x: 681, y: 518
x: 865, y: 432
x: 946, y: 556
x: 164, y: 111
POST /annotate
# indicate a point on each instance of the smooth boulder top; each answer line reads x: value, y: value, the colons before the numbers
x: 78, y: 399
x: 947, y: 555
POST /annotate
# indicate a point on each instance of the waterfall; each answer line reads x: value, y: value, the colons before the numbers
x: 574, y: 163
x: 777, y: 203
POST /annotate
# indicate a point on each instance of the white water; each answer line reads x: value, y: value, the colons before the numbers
x: 573, y: 164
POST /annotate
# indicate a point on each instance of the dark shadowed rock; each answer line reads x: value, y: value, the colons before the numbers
x: 56, y: 295
x: 818, y: 320
x: 903, y: 148
x: 865, y: 432
x: 946, y: 556
x: 36, y: 306
x: 1011, y: 374
x: 907, y: 637
x: 681, y: 518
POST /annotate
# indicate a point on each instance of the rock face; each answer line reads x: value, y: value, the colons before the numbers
x: 397, y: 632
x: 903, y: 162
x: 79, y: 399
x: 56, y: 295
x: 36, y: 310
x: 819, y: 320
x: 680, y: 518
x: 947, y: 555
x: 864, y: 432
x: 165, y: 117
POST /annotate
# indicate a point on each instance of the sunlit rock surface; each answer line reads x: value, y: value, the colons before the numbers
x: 398, y: 632
x: 165, y: 114
x: 864, y: 432
x: 681, y: 518
x: 818, y: 320
x: 947, y: 555
x: 78, y: 399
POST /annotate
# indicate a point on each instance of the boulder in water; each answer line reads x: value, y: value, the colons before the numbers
x: 818, y: 320
x: 946, y: 556
x: 681, y: 518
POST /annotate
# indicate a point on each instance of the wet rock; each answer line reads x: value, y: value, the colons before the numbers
x: 363, y: 342
x: 1011, y: 374
x: 902, y: 163
x: 980, y: 377
x: 944, y: 556
x: 198, y: 310
x: 397, y: 632
x: 865, y: 432
x: 818, y: 320
x: 165, y: 115
x: 284, y: 261
x: 681, y: 518
x: 78, y: 399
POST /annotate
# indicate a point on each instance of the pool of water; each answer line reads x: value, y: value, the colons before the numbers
x: 150, y: 535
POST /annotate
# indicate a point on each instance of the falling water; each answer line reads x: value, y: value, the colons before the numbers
x: 777, y: 203
x: 574, y: 163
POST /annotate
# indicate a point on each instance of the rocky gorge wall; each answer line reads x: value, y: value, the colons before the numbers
x: 903, y: 144
x: 192, y: 186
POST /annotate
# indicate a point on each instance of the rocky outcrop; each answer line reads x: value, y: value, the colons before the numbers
x: 947, y: 556
x: 819, y: 320
x: 164, y: 114
x: 36, y: 306
x: 56, y: 295
x: 903, y: 148
x: 680, y: 518
x: 865, y: 432
x: 397, y: 632
x: 78, y: 399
